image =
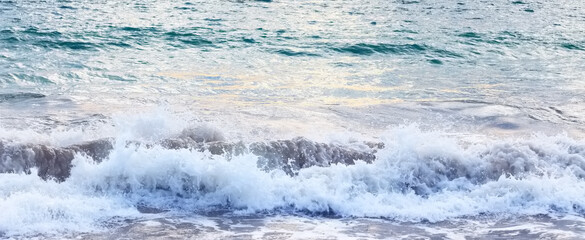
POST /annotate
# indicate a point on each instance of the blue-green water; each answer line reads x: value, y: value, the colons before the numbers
x: 294, y: 52
x: 446, y: 85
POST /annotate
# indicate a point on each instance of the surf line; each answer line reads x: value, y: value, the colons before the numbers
x: 289, y: 155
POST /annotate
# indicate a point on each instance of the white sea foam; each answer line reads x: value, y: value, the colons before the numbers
x: 418, y: 176
x: 30, y: 206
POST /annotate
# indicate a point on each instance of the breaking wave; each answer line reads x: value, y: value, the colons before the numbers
x: 410, y: 175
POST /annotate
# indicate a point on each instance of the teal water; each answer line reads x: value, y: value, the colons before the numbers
x: 478, y: 103
x: 296, y: 51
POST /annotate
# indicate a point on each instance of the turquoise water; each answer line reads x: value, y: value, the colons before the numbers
x: 472, y: 111
x: 296, y: 51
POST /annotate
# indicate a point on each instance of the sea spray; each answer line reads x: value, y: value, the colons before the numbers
x: 417, y: 176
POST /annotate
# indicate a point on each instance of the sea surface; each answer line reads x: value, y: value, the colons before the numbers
x: 292, y: 119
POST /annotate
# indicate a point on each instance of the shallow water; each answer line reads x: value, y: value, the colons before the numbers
x: 295, y: 227
x: 295, y: 119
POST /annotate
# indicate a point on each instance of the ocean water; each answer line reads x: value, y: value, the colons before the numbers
x: 290, y: 119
